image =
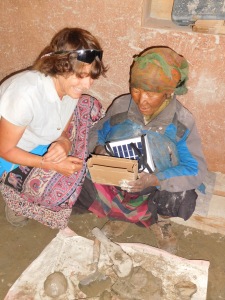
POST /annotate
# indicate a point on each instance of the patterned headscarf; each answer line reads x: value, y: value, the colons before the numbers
x: 160, y: 69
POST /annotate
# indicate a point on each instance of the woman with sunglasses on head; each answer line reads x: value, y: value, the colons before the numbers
x: 44, y: 126
x: 151, y: 108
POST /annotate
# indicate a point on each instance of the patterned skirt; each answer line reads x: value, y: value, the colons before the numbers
x: 139, y: 208
x: 45, y: 195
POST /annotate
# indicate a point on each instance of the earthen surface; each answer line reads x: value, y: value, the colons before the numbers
x: 20, y: 246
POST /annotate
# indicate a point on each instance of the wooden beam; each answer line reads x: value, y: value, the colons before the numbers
x: 214, y: 222
x: 206, y: 224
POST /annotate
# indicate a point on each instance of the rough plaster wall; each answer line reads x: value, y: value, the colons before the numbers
x: 26, y: 26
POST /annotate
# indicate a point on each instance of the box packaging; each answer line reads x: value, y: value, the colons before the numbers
x: 112, y: 170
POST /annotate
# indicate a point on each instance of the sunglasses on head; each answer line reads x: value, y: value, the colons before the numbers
x: 84, y: 55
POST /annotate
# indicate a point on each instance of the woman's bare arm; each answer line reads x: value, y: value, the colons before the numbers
x: 10, y: 135
x: 59, y: 149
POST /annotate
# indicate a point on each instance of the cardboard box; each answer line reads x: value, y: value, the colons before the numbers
x: 112, y: 170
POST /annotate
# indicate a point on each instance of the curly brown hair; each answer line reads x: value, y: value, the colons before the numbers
x: 65, y: 63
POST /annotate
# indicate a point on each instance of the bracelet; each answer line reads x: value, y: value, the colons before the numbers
x: 41, y: 162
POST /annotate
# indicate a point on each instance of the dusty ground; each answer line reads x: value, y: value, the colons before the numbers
x: 20, y: 246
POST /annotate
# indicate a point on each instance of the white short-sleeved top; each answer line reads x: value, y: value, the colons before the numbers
x: 30, y: 99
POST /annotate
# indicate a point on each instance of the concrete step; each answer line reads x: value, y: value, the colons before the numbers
x: 209, y: 215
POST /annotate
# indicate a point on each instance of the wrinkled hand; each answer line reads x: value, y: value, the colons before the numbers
x: 100, y: 150
x: 58, y: 151
x: 144, y: 181
x: 69, y: 166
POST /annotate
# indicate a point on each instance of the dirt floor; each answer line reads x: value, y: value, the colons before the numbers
x: 20, y: 246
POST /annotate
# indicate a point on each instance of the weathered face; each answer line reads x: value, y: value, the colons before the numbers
x: 72, y: 85
x: 147, y: 102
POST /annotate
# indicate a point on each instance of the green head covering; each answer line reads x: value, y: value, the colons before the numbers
x: 160, y: 69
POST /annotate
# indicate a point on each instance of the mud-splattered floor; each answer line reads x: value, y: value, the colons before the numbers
x: 20, y: 246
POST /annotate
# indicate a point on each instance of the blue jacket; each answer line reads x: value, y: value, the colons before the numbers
x: 172, y: 135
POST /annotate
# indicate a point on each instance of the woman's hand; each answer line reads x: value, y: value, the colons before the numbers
x: 144, y: 181
x: 66, y: 167
x: 58, y: 151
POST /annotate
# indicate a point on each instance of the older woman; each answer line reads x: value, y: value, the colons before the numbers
x: 44, y: 125
x: 157, y: 75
